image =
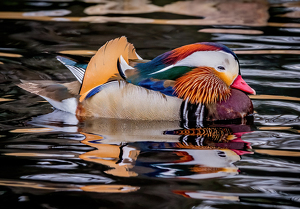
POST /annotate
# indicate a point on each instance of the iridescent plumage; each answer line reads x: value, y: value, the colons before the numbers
x: 176, y: 85
x: 187, y: 72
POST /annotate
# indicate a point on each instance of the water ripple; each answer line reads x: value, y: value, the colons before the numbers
x: 60, y: 161
x: 69, y: 178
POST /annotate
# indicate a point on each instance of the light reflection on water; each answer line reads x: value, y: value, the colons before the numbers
x: 52, y: 160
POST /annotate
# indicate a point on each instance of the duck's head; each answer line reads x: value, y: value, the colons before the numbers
x: 213, y: 71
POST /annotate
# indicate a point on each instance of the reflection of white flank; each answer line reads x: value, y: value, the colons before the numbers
x: 126, y: 157
x: 51, y: 120
x: 211, y: 196
x: 50, y: 13
x: 171, y: 172
x: 112, y: 130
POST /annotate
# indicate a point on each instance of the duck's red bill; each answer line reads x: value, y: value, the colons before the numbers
x: 240, y: 84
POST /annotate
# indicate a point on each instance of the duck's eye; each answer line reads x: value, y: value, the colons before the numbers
x: 221, y: 68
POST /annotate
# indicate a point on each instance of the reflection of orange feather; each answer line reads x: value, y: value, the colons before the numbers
x: 203, y: 170
x: 215, y: 134
x: 103, y: 66
x: 184, y: 157
x: 201, y: 85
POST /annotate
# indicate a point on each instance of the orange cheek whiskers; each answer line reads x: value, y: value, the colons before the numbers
x: 201, y: 85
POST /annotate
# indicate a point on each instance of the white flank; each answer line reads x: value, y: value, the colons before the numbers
x: 128, y: 101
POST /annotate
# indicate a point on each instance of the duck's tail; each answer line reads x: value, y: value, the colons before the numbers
x: 60, y: 96
x: 103, y: 67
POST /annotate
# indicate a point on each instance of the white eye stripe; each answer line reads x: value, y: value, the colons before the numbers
x: 214, y: 59
x: 208, y: 58
x: 162, y: 70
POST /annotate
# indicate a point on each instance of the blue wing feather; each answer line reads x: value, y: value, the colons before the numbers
x: 157, y: 86
x: 154, y: 65
x: 93, y: 91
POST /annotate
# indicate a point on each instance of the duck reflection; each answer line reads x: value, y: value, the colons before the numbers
x: 131, y: 149
x: 155, y: 149
x: 119, y: 158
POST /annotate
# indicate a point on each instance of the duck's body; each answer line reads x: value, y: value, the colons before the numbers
x: 178, y: 85
x: 124, y: 100
x: 117, y: 99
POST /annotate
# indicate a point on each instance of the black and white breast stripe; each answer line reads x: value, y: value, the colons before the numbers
x: 191, y: 115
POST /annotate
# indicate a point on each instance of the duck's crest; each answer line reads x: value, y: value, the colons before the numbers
x: 170, y: 58
x: 102, y: 68
x: 182, y: 52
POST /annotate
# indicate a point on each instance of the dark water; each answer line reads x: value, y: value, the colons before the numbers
x: 50, y: 160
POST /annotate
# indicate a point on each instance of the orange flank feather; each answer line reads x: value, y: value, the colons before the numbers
x: 201, y: 85
x: 103, y: 65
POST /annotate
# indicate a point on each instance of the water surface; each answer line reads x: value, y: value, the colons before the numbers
x: 49, y: 159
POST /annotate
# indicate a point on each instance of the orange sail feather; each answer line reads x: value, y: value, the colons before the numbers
x: 103, y: 65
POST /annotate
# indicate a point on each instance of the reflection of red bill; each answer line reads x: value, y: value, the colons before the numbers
x: 240, y: 134
x: 236, y: 145
x: 240, y: 84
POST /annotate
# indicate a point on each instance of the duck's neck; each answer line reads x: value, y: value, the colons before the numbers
x: 238, y: 105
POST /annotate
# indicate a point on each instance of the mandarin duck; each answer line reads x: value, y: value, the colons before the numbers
x: 195, y: 82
